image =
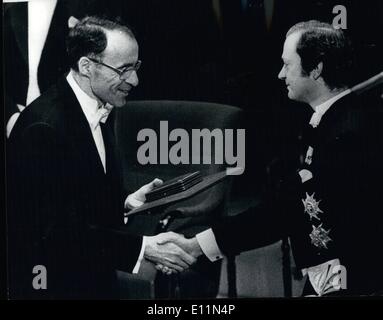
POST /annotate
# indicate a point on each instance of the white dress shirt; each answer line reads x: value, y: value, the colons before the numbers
x: 90, y: 107
x: 320, y: 275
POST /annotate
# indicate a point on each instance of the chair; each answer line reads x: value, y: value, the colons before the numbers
x: 189, y: 216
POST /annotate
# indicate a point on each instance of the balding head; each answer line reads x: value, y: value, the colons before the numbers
x: 88, y: 38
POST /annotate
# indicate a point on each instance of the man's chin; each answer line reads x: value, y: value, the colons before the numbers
x: 120, y: 105
x: 121, y: 102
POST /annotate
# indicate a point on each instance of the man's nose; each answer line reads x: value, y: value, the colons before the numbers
x: 133, y: 79
x: 282, y: 74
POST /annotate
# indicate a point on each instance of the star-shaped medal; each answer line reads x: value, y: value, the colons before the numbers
x: 319, y: 236
x: 312, y: 206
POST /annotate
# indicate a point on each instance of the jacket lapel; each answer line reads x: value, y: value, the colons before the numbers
x: 79, y: 131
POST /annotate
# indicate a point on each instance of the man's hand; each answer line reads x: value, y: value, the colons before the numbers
x: 137, y: 199
x: 163, y: 250
x: 190, y: 246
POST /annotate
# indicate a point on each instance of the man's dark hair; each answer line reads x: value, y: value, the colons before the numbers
x: 88, y: 38
x: 321, y: 42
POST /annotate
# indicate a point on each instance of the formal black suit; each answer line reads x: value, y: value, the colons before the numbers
x: 64, y: 212
x: 347, y: 174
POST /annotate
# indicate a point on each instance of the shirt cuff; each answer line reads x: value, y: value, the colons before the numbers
x: 141, y: 256
x: 324, y: 277
x: 209, y: 246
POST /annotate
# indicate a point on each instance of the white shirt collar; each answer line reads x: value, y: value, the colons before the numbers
x: 321, y: 109
x: 88, y: 105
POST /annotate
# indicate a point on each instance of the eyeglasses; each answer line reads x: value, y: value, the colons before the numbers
x: 125, y: 73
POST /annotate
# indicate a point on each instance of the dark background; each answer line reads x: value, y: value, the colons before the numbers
x: 228, y: 52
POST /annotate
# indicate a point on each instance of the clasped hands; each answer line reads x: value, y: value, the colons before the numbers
x: 169, y: 251
x: 172, y: 252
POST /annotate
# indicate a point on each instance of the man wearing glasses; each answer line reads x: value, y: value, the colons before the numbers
x: 65, y: 195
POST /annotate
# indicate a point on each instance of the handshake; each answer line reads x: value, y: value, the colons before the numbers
x: 170, y: 252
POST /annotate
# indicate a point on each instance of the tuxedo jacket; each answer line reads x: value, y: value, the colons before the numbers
x: 337, y: 213
x: 64, y: 212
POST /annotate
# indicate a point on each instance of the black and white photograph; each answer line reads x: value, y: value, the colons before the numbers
x: 193, y: 150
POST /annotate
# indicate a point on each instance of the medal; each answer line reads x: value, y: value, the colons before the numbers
x: 319, y: 237
x: 312, y: 206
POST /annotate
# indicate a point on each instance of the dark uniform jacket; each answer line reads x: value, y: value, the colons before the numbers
x: 337, y: 213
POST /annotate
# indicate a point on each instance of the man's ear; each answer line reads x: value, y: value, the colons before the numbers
x: 84, y: 66
x: 317, y: 71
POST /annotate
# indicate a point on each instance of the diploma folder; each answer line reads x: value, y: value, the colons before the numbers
x: 205, y: 183
x: 174, y: 186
